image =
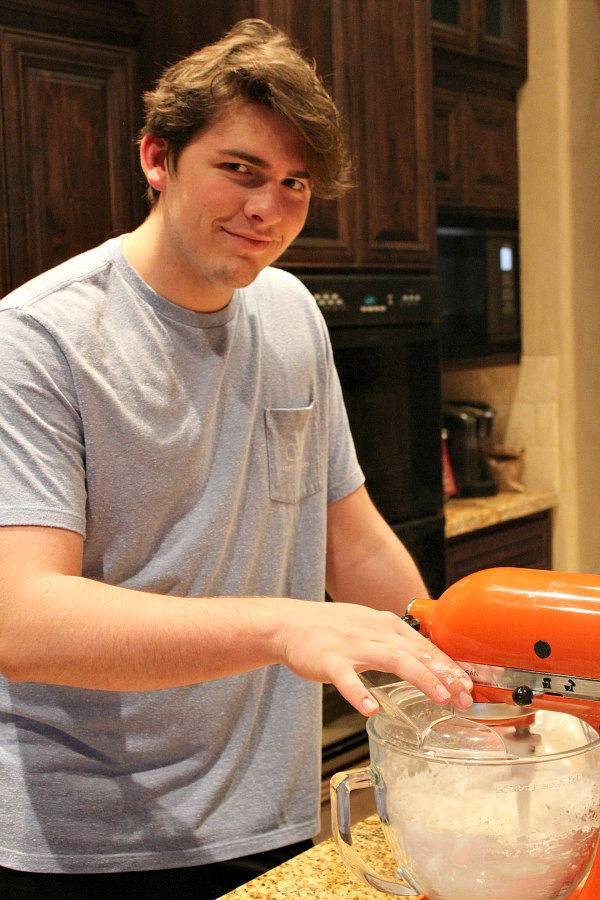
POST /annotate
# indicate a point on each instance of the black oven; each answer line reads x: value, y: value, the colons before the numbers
x: 385, y: 334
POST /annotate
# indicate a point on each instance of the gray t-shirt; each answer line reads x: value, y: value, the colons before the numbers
x: 197, y: 454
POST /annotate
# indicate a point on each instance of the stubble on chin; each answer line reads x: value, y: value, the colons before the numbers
x: 232, y: 278
x: 236, y: 275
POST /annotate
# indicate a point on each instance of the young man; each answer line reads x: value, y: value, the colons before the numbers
x: 177, y: 487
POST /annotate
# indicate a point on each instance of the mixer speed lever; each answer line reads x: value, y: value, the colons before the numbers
x: 410, y: 620
x: 522, y: 696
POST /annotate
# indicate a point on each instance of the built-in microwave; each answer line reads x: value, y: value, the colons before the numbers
x: 479, y: 281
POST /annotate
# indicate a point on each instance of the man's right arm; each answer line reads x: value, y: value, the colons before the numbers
x: 61, y: 628
x: 58, y: 627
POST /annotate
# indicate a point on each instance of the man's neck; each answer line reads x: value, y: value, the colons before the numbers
x: 151, y: 259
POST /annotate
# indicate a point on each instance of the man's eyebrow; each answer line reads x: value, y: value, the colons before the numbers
x: 260, y: 162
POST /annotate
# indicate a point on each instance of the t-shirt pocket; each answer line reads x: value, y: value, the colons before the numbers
x: 293, y: 453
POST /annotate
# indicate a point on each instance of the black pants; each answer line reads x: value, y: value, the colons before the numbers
x: 193, y: 883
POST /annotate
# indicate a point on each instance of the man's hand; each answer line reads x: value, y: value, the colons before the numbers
x: 333, y: 642
x: 372, y: 577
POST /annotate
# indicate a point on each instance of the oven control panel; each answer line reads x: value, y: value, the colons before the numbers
x: 375, y: 299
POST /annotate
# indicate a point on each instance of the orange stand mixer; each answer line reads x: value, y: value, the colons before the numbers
x: 530, y: 640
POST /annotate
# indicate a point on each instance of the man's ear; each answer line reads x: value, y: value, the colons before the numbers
x: 153, y: 159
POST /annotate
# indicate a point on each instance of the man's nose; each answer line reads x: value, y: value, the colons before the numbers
x: 264, y: 203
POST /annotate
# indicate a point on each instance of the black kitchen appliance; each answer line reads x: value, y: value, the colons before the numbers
x: 469, y: 426
x: 385, y: 334
x: 478, y: 265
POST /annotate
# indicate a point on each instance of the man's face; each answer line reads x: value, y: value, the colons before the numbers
x: 238, y: 198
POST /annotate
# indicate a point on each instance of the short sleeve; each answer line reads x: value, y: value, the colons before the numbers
x: 42, y: 453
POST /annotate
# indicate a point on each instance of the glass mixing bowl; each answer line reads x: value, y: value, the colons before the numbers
x: 519, y: 821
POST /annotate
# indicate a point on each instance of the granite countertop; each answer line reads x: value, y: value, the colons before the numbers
x: 320, y: 874
x: 472, y: 513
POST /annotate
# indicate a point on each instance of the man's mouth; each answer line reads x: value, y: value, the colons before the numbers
x: 252, y: 241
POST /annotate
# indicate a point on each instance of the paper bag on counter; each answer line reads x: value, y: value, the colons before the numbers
x: 505, y: 465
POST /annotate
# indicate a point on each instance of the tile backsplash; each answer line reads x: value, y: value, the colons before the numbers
x: 525, y: 397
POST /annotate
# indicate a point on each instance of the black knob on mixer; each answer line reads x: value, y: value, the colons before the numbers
x: 522, y: 696
x: 410, y: 620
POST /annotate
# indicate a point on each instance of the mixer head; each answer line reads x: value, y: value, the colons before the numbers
x: 528, y: 638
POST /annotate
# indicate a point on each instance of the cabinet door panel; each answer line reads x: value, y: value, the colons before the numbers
x: 448, y: 135
x: 318, y: 29
x: 492, y: 173
x: 454, y: 24
x: 395, y: 147
x: 374, y: 55
x: 490, y: 29
x: 503, y: 30
x: 69, y: 134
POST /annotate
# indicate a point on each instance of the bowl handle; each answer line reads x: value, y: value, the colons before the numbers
x: 341, y: 786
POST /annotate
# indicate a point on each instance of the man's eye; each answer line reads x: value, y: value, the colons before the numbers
x: 295, y: 184
x: 239, y: 167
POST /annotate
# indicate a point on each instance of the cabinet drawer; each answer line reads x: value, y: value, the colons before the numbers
x: 525, y: 543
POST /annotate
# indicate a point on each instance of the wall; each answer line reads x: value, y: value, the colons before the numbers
x: 551, y: 402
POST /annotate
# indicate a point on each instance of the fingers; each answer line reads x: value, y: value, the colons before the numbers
x: 419, y: 661
x: 354, y: 691
x: 409, y: 669
x: 334, y: 642
x: 412, y: 658
x: 433, y: 673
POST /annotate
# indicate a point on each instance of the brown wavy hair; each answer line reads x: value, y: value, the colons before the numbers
x: 258, y: 63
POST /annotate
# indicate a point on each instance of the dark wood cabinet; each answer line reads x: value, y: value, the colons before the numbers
x: 479, y: 63
x: 375, y: 56
x: 69, y: 124
x: 69, y: 111
x: 5, y: 282
x: 322, y: 31
x: 71, y: 82
x: 493, y: 29
x: 449, y: 140
x: 113, y: 22
x: 72, y: 74
x: 524, y: 542
x: 475, y: 140
x: 176, y: 28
